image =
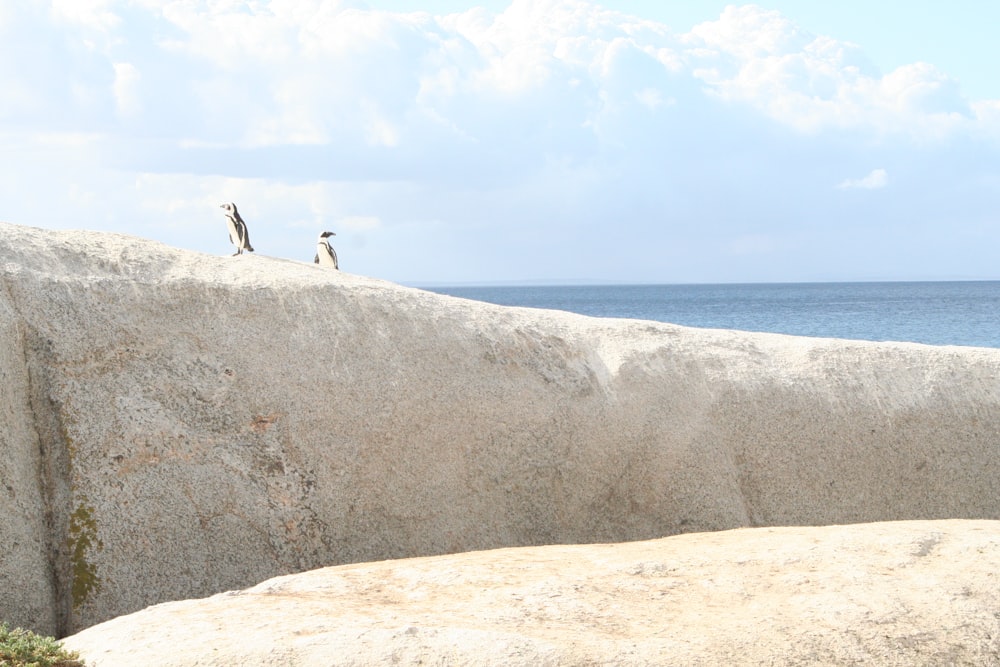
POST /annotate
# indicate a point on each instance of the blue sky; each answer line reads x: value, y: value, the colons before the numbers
x: 550, y: 140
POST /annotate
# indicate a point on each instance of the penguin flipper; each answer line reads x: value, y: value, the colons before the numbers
x: 316, y: 260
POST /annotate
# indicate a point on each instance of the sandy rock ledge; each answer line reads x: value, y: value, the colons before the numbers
x: 896, y: 593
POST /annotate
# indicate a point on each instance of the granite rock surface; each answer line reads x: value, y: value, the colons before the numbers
x: 890, y: 593
x: 178, y: 424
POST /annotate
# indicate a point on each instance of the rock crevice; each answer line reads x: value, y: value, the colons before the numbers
x: 30, y: 545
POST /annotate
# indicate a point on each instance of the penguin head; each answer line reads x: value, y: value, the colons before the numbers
x: 229, y: 207
x: 326, y: 234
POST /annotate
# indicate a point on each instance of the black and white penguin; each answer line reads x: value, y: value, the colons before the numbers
x: 238, y: 234
x: 325, y: 254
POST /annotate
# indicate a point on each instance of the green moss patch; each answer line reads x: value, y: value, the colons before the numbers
x: 82, y: 539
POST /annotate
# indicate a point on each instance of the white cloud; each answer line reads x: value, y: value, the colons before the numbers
x: 812, y: 83
x: 90, y: 13
x: 513, y: 131
x: 653, y: 99
x: 987, y: 115
x: 877, y: 179
x: 125, y: 89
x: 748, y: 33
x: 324, y: 73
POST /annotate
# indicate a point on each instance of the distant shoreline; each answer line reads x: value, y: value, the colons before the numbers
x: 559, y: 282
x: 955, y: 312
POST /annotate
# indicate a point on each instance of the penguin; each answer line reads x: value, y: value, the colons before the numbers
x: 325, y: 254
x: 238, y: 234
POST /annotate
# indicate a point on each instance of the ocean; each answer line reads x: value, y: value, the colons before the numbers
x: 935, y: 313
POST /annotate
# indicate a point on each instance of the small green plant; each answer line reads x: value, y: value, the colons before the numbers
x: 23, y: 648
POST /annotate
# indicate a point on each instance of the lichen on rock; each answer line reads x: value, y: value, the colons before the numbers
x: 81, y: 540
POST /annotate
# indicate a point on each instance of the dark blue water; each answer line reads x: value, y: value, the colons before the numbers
x: 936, y: 313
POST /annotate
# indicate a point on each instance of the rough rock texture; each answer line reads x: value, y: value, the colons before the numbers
x: 910, y: 593
x: 182, y: 424
x: 26, y: 588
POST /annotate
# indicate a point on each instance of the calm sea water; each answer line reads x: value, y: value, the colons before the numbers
x: 936, y: 313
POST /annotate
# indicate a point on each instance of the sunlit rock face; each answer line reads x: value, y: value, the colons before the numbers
x: 178, y: 424
x: 888, y: 593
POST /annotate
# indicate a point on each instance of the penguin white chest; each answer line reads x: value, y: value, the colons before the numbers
x: 326, y: 255
x: 234, y: 232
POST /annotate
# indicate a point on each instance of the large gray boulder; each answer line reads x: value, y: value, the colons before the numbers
x: 908, y: 593
x: 178, y: 424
